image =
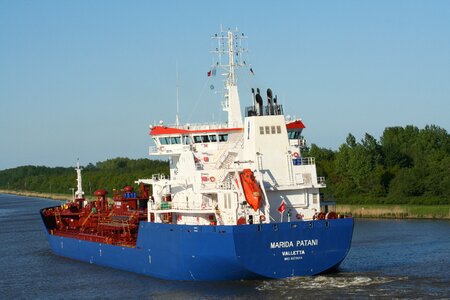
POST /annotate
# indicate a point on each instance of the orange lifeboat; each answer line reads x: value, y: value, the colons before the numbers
x: 251, y: 188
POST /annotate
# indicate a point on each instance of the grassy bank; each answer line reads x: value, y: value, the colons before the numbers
x: 62, y: 197
x: 392, y: 211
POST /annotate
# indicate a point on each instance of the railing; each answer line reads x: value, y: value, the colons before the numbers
x: 159, y: 176
x: 197, y: 126
x: 298, y: 143
x: 304, y: 161
x: 225, y: 185
x: 321, y: 180
x: 266, y: 110
x: 168, y: 149
x: 181, y: 206
x: 165, y: 205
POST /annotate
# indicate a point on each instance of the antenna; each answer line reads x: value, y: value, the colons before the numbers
x: 177, y: 121
x: 230, y: 56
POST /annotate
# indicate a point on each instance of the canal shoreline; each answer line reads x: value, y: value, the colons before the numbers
x: 58, y: 197
x: 385, y: 211
x: 396, y: 211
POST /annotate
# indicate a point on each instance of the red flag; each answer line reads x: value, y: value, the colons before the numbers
x: 209, y: 73
x: 282, y: 207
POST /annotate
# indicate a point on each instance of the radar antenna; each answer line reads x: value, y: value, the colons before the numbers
x: 230, y: 56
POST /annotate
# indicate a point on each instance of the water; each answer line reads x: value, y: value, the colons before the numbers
x: 388, y: 259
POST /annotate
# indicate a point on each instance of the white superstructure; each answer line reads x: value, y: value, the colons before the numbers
x: 207, y: 161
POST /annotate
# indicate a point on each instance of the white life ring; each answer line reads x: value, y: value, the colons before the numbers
x: 295, y: 154
x: 212, y: 179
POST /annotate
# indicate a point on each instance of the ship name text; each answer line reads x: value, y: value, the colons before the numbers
x: 289, y: 244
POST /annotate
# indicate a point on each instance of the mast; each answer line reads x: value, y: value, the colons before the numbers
x: 231, y: 80
x: 230, y: 49
x: 177, y: 120
x: 79, y: 192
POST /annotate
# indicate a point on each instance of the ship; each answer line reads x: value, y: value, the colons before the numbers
x: 240, y: 202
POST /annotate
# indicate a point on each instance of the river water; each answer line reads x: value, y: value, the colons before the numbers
x: 388, y: 259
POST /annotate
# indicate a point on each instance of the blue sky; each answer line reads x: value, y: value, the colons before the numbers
x: 84, y: 79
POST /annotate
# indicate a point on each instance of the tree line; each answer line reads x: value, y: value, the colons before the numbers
x: 110, y: 174
x: 406, y: 165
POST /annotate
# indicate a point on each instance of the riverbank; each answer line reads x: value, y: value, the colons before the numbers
x: 60, y: 197
x: 387, y: 211
x: 393, y: 211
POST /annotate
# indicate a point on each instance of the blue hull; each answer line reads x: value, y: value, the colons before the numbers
x: 185, y: 252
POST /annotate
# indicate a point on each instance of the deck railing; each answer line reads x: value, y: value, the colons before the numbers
x: 304, y: 161
x: 321, y: 180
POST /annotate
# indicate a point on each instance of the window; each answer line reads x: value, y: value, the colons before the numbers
x: 197, y: 139
x: 175, y: 140
x: 205, y: 139
x: 314, y: 196
x: 267, y: 130
x: 164, y: 141
x: 294, y: 135
x: 261, y: 130
x: 213, y: 138
x: 272, y: 129
x: 223, y: 137
x: 187, y: 140
x: 278, y: 129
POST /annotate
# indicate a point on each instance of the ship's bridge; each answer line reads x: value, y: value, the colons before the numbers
x: 174, y: 139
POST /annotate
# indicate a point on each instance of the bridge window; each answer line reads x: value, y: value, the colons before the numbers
x: 205, y: 139
x: 175, y: 140
x: 272, y: 129
x: 223, y: 137
x: 164, y: 140
x: 294, y: 135
x: 261, y: 130
x: 267, y: 129
x: 213, y: 138
x: 187, y: 140
x: 278, y: 129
